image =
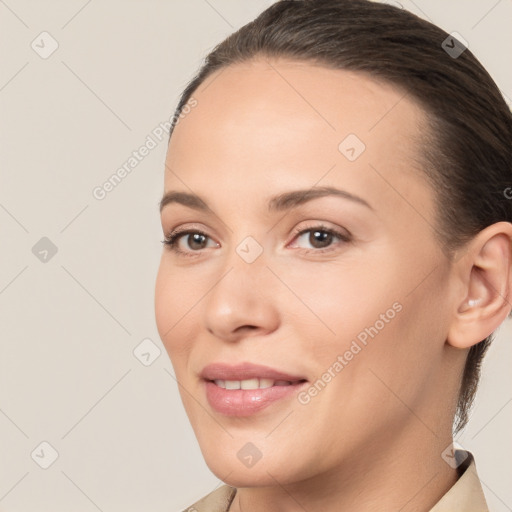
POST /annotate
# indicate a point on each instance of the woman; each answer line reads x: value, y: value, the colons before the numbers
x: 337, y: 257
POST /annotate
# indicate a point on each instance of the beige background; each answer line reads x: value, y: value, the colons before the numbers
x: 70, y: 323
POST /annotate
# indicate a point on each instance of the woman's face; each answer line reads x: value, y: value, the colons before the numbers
x: 353, y: 311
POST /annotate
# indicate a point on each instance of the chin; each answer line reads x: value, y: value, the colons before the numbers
x: 237, y: 476
x: 233, y: 465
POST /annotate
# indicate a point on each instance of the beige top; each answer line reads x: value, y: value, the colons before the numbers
x: 466, y: 495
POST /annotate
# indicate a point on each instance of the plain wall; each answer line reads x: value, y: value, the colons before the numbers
x: 70, y: 321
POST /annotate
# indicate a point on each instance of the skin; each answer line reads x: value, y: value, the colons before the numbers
x: 372, y: 438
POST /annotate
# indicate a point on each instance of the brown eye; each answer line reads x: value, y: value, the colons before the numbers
x: 320, y: 238
x: 194, y: 241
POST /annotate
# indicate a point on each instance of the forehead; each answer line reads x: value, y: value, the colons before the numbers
x: 267, y: 118
x: 300, y: 87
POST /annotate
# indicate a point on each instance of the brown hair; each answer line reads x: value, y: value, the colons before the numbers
x: 466, y: 154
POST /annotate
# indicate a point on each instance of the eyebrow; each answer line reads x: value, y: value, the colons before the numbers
x: 284, y: 201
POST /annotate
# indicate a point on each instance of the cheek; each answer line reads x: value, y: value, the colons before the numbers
x: 361, y: 311
x: 163, y: 302
x: 400, y: 345
x: 337, y: 300
x: 175, y: 297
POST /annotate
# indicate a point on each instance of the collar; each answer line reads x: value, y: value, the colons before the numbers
x: 466, y: 495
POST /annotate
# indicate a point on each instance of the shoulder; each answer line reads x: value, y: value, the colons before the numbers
x: 217, y: 501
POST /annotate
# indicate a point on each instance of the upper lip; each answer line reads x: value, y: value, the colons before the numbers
x: 244, y: 371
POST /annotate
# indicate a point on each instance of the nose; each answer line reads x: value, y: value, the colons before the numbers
x: 242, y: 302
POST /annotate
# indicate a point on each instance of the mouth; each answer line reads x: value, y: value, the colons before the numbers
x: 246, y: 389
x: 256, y: 383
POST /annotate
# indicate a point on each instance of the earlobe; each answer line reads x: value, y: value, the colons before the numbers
x: 486, y: 274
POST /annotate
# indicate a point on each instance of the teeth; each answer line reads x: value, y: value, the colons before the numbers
x: 251, y: 383
x: 266, y: 383
x: 233, y: 384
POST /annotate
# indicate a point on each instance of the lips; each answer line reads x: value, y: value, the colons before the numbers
x: 244, y: 389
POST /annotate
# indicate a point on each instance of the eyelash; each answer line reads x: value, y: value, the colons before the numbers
x: 171, y: 240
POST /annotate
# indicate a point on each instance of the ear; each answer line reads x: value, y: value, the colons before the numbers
x: 485, y: 272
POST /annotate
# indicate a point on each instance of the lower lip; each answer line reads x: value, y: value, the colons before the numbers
x: 245, y: 402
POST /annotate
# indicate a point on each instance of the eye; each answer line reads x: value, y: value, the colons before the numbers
x: 321, y: 238
x: 187, y: 241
